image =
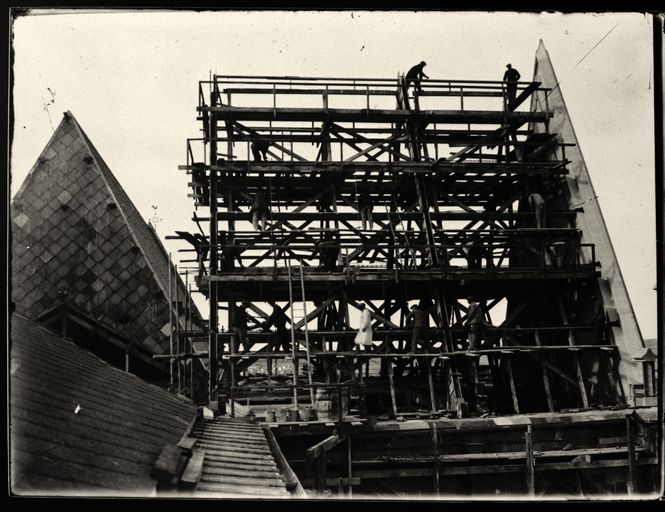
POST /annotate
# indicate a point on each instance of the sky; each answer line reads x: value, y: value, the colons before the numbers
x: 131, y: 81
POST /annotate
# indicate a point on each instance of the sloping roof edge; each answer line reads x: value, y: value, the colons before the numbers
x: 152, y: 248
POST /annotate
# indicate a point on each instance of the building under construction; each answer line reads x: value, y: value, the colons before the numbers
x: 323, y: 203
x: 368, y: 193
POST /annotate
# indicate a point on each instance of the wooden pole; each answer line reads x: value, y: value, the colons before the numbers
x: 171, y: 325
x: 309, y: 361
x: 177, y: 324
x: 213, y: 318
x: 391, y: 378
x: 293, y: 337
x: 546, y: 380
x: 437, y: 462
x: 191, y: 345
x: 530, y: 462
x: 349, y: 465
x: 430, y: 381
x: 632, y: 462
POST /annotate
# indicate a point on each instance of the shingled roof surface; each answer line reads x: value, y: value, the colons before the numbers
x: 79, y: 425
x: 75, y: 230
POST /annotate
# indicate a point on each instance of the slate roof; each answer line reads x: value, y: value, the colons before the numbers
x: 75, y: 230
x: 80, y: 426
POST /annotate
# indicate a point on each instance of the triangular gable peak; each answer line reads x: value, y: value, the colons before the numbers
x: 77, y: 237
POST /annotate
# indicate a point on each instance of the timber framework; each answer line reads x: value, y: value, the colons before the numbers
x: 321, y: 202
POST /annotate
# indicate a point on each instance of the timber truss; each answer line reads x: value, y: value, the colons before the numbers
x: 448, y: 171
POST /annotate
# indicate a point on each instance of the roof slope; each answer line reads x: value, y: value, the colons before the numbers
x: 75, y: 230
x: 79, y: 425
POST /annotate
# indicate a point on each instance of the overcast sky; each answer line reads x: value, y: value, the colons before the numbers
x: 130, y: 79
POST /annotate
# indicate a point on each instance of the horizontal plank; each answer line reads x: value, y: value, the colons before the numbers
x: 372, y: 115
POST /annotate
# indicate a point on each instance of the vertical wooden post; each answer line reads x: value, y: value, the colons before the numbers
x: 435, y: 450
x: 430, y: 381
x: 391, y: 378
x: 576, y: 359
x: 177, y: 325
x: 632, y: 462
x: 213, y: 318
x: 294, y: 359
x: 349, y: 471
x: 171, y: 326
x: 530, y: 462
x: 309, y: 361
x: 546, y: 380
x: 191, y: 347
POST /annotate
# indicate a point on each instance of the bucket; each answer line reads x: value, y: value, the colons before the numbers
x: 280, y: 415
x: 270, y: 416
x: 306, y: 414
x: 293, y: 414
x: 326, y: 403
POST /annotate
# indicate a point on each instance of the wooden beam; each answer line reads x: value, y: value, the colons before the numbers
x: 290, y: 478
x: 193, y: 470
x: 632, y: 475
x: 391, y: 380
x: 437, y: 461
x: 530, y: 462
x: 326, y: 445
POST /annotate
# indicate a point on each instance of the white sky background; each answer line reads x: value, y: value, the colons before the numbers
x: 131, y: 81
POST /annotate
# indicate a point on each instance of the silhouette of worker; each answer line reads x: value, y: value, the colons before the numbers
x: 415, y: 75
x: 260, y: 149
x: 511, y: 76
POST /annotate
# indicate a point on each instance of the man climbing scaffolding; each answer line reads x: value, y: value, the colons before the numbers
x: 415, y: 75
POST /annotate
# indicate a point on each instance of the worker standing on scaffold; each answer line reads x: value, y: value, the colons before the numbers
x: 476, y: 322
x: 364, y: 336
x: 365, y: 208
x: 328, y: 249
x: 419, y: 320
x: 511, y: 77
x: 260, y: 210
x: 280, y: 339
x: 415, y: 75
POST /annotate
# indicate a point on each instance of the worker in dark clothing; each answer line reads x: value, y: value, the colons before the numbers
x: 229, y: 255
x: 201, y: 247
x: 365, y: 208
x: 511, y: 77
x: 278, y: 320
x: 240, y: 328
x: 260, y: 210
x: 419, y: 320
x: 281, y: 338
x: 415, y: 75
x: 260, y: 149
x: 475, y: 320
x: 328, y: 249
